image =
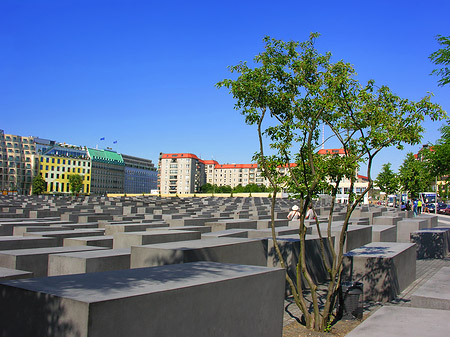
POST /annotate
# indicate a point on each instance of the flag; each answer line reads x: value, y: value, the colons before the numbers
x: 103, y: 138
x: 115, y: 142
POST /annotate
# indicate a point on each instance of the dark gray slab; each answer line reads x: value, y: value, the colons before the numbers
x: 126, y: 240
x: 35, y: 260
x: 207, y: 299
x: 24, y: 242
x: 88, y: 261
x: 13, y: 274
x: 105, y: 241
x: 224, y: 250
x: 385, y: 268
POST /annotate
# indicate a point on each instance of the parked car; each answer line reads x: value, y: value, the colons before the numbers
x: 445, y: 210
x: 431, y: 207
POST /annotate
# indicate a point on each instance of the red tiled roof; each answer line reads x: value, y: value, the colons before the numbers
x: 179, y: 155
x: 331, y: 151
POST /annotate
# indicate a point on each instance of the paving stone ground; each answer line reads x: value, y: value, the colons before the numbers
x: 425, y: 269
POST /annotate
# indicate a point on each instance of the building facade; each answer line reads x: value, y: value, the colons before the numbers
x: 140, y: 175
x: 180, y: 173
x: 185, y: 173
x: 107, y: 172
x: 17, y: 163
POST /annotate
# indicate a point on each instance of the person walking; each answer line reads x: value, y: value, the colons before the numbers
x: 415, y: 207
x: 294, y: 214
x: 419, y: 207
x: 310, y: 213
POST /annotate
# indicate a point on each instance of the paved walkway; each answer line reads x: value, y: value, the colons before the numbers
x: 425, y: 269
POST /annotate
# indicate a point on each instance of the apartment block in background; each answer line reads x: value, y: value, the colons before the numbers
x: 107, y: 172
x: 180, y: 173
x: 17, y: 163
x: 140, y: 175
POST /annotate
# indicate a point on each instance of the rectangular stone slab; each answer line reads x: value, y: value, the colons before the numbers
x: 224, y: 250
x: 105, y: 241
x: 126, y: 240
x: 24, y: 242
x: 385, y: 268
x: 35, y: 260
x: 189, y: 300
x: 61, y: 235
x: 13, y: 274
x: 88, y: 261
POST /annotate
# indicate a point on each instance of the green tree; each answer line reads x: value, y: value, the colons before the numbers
x: 387, y: 180
x: 288, y: 95
x: 39, y: 185
x: 414, y: 175
x: 76, y: 183
x: 441, y: 58
x: 206, y: 188
x: 439, y: 155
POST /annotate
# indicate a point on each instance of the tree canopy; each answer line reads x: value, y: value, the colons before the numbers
x: 387, y: 180
x: 76, y: 183
x: 441, y: 57
x: 39, y: 185
x: 414, y: 175
x: 289, y: 93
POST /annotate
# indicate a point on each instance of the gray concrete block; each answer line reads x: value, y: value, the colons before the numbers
x: 229, y: 233
x: 435, y: 293
x: 432, y: 243
x: 384, y: 233
x: 13, y: 274
x: 267, y: 223
x: 207, y: 299
x: 35, y: 260
x: 290, y: 249
x: 24, y: 242
x: 357, y: 235
x: 387, y: 220
x: 129, y: 227
x: 222, y: 225
x: 385, y: 268
x: 59, y: 236
x: 267, y: 233
x: 403, y: 321
x: 88, y: 261
x: 432, y: 219
x: 126, y: 240
x: 406, y: 227
x: 105, y: 241
x: 224, y: 250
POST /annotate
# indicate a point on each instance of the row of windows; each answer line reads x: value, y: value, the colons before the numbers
x: 63, y: 169
x: 61, y: 187
x: 15, y: 139
x: 63, y: 176
x: 63, y: 161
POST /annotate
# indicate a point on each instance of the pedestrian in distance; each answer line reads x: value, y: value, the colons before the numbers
x: 294, y: 214
x: 310, y: 213
x: 419, y: 206
x: 415, y: 207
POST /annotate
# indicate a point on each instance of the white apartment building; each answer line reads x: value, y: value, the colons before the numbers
x: 185, y: 173
x: 180, y: 173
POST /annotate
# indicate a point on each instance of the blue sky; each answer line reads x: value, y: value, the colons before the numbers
x: 142, y: 73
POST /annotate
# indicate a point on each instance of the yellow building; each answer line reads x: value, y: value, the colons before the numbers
x: 56, y: 167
